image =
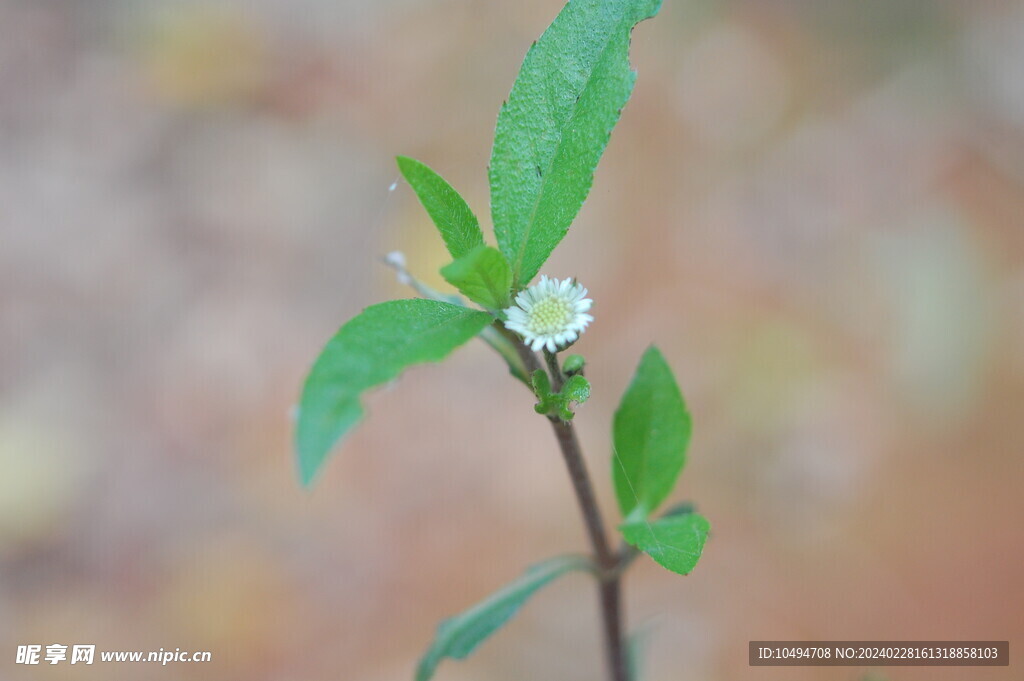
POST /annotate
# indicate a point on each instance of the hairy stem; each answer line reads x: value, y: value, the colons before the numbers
x: 608, y: 561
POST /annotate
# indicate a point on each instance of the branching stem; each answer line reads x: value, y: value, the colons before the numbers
x: 609, y: 562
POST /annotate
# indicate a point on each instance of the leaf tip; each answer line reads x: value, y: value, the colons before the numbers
x: 308, y: 463
x: 654, y: 354
x: 425, y: 669
x: 404, y: 163
x: 305, y: 474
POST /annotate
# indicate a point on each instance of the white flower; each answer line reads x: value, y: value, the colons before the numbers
x: 550, y: 313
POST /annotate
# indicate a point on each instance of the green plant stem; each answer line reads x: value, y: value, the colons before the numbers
x: 500, y: 344
x: 557, y: 377
x: 608, y: 561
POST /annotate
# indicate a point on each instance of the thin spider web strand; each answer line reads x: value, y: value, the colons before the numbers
x: 636, y: 498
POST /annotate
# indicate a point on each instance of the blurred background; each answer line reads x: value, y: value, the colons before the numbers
x: 815, y: 208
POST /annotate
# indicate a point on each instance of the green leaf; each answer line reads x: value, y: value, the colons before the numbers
x: 369, y: 350
x: 680, y: 508
x: 459, y: 636
x: 542, y: 389
x: 458, y: 225
x: 651, y: 432
x: 482, y: 275
x: 576, y: 391
x: 555, y: 125
x: 675, y: 542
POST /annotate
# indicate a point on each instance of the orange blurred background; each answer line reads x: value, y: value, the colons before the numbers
x: 815, y: 208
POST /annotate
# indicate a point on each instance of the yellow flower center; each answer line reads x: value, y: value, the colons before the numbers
x: 549, y: 316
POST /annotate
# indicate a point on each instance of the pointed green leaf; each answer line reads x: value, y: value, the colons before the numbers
x: 674, y: 542
x: 651, y: 432
x: 575, y: 391
x: 459, y: 636
x: 483, y: 276
x: 458, y: 225
x: 369, y: 350
x: 553, y: 129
